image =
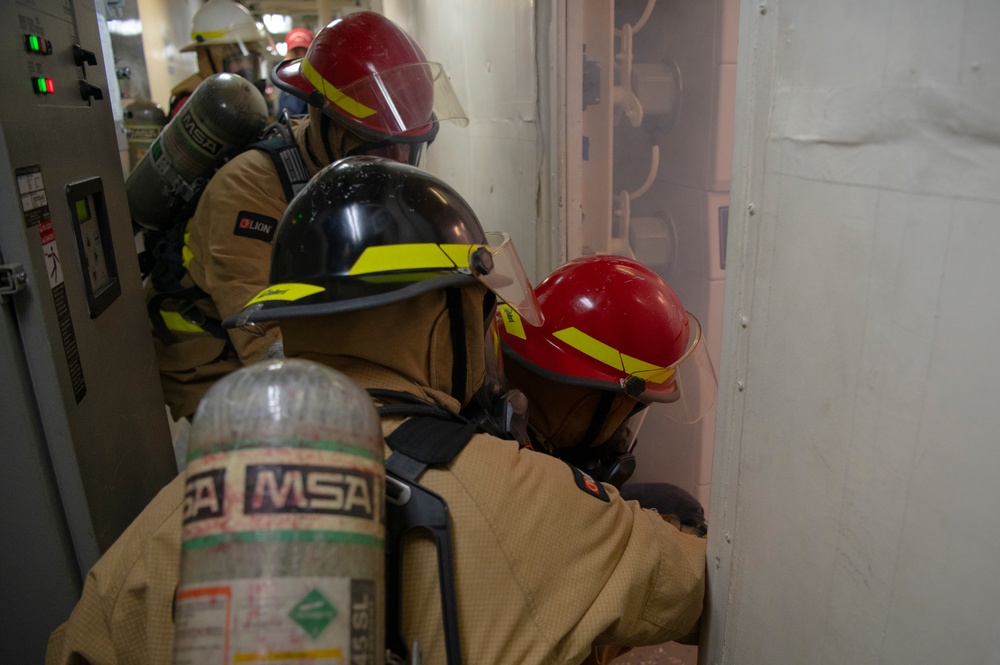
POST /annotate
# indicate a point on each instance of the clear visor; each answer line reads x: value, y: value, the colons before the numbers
x: 247, y: 65
x: 693, y: 386
x: 401, y: 95
x: 508, y: 279
x: 267, y: 42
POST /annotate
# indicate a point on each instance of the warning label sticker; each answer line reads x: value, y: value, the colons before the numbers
x: 35, y: 206
x: 297, y: 620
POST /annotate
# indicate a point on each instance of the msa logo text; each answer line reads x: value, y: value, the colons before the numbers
x: 204, y: 495
x: 296, y: 488
x: 198, y: 135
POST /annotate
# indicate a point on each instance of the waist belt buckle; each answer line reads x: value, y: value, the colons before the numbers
x: 190, y: 311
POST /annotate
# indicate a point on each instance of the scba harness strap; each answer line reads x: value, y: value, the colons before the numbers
x: 430, y: 437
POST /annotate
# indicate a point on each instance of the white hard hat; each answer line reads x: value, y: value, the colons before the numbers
x: 226, y: 22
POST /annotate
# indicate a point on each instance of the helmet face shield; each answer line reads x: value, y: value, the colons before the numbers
x: 247, y: 65
x: 508, y: 279
x: 691, y: 389
x: 402, y: 101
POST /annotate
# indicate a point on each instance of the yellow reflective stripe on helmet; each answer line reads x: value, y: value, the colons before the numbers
x: 411, y: 256
x: 286, y: 292
x: 512, y: 321
x: 209, y: 34
x: 176, y: 322
x: 608, y: 355
x: 645, y: 371
x: 352, y: 106
x: 586, y: 344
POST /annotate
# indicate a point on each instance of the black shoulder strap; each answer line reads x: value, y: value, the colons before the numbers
x: 432, y: 436
x: 426, y: 441
x: 287, y: 161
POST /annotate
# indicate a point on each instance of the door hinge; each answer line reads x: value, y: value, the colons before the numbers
x: 13, y: 278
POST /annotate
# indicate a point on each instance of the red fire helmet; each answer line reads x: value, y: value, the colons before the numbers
x: 366, y: 73
x: 612, y: 324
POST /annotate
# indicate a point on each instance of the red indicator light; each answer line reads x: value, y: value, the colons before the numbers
x: 49, y: 87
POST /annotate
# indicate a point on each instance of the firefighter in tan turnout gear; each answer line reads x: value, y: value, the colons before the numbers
x: 384, y: 273
x: 227, y: 40
x: 616, y: 340
x: 370, y: 90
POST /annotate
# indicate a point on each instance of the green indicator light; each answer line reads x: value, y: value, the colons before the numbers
x: 41, y: 85
x: 33, y: 41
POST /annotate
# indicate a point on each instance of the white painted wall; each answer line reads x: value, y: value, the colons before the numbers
x: 855, y: 502
x: 499, y: 161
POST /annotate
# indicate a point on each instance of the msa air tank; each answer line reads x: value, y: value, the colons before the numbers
x: 283, y: 546
x: 224, y: 114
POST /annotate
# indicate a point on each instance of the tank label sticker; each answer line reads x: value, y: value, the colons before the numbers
x: 364, y: 618
x: 284, y: 494
x: 589, y: 485
x: 254, y: 225
x: 291, y: 619
x: 142, y: 135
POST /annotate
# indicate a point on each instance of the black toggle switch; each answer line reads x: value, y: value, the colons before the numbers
x: 88, y: 91
x: 82, y: 55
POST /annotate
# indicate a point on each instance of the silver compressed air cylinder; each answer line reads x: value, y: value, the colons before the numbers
x: 144, y: 119
x: 283, y: 545
x: 224, y: 113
